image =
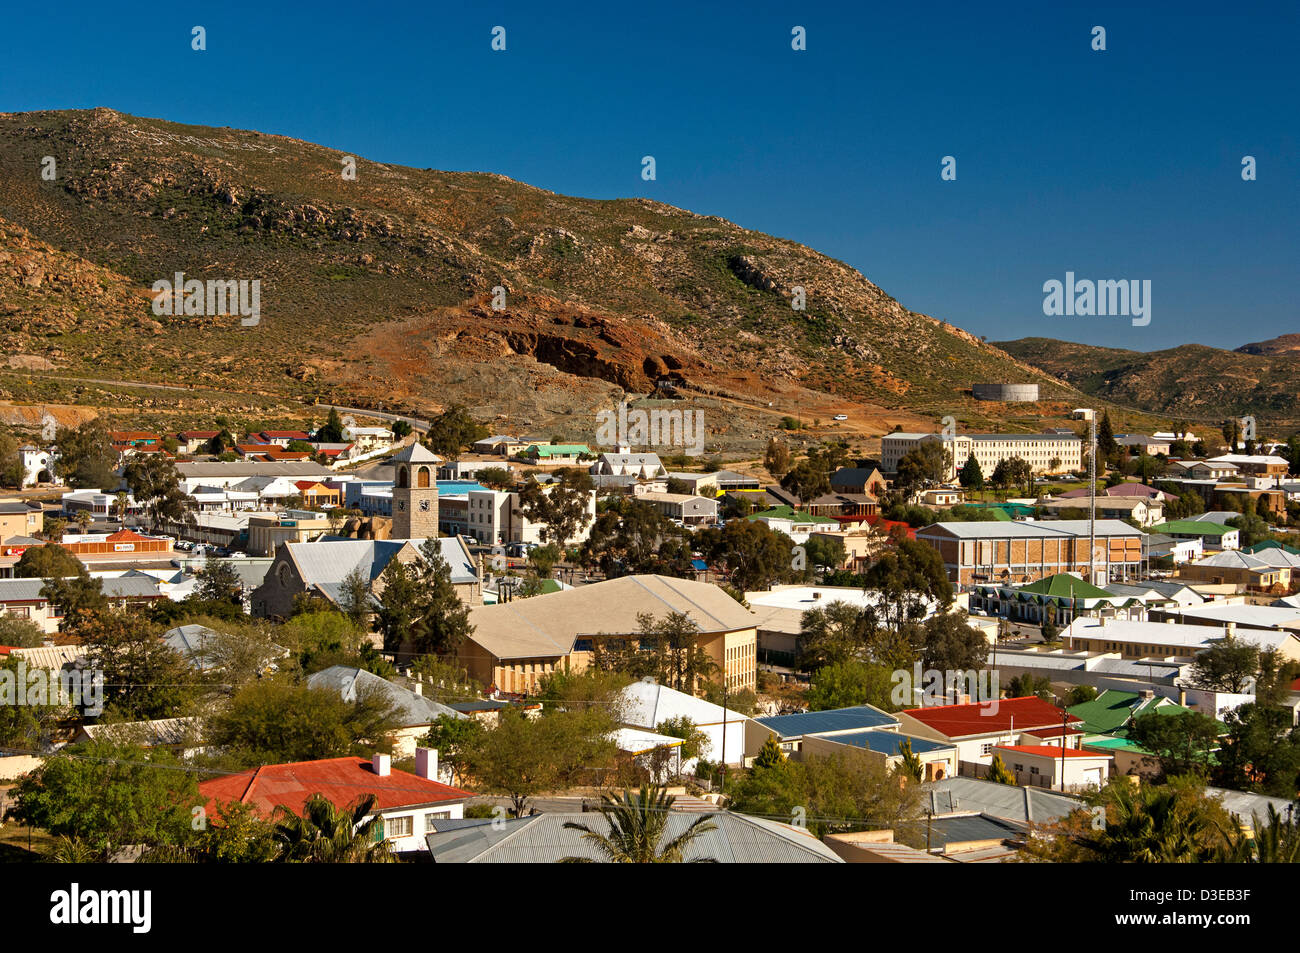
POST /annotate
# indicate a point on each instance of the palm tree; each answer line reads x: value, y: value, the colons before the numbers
x: 637, y: 823
x: 1277, y: 842
x: 83, y: 519
x: 324, y: 834
x: 119, y: 506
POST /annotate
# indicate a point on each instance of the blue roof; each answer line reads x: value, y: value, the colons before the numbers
x: 888, y: 742
x: 457, y: 486
x: 859, y: 717
x: 699, y: 565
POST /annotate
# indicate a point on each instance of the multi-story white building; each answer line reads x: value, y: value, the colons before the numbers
x: 1045, y: 453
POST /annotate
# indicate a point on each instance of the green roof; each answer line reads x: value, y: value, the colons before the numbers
x: 1111, y: 712
x: 1066, y: 586
x: 787, y: 513
x: 1270, y: 544
x: 1192, y: 528
x: 559, y: 449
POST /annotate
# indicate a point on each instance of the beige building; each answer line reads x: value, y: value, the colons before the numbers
x: 20, y: 518
x: 1045, y: 453
x: 266, y: 531
x: 517, y: 643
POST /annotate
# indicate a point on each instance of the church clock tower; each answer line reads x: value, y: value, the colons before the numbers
x: 415, y: 493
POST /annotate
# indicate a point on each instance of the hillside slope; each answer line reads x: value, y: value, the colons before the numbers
x: 377, y: 291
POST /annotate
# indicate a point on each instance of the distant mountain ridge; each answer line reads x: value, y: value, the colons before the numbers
x: 1192, y: 380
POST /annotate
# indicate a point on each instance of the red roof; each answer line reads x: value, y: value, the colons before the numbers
x: 342, y: 780
x: 888, y: 526
x: 1050, y: 751
x: 981, y: 718
x: 277, y: 454
x: 308, y: 484
x: 126, y: 536
x: 1053, y: 732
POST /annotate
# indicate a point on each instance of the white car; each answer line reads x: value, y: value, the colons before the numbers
x: 840, y: 417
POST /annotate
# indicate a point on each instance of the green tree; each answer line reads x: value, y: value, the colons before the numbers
x: 999, y: 773
x: 562, y: 507
x: 325, y: 834
x: 907, y: 580
x: 332, y: 431
x: 926, y: 464
x: 355, y: 598
x: 451, y: 737
x: 807, y: 480
x: 272, y: 721
x: 637, y: 826
x: 971, y: 476
x: 948, y: 642
x: 452, y: 431
x: 770, y: 755
x: 1107, y: 448
x: 86, y: 458
x: 1226, y: 666
x: 831, y: 634
x: 695, y: 743
x: 109, y: 795
x: 845, y: 684
x: 776, y: 458
x: 1079, y: 695
x: 155, y: 483
x: 143, y: 677
x: 218, y: 581
x: 909, y: 764
x: 755, y: 556
x: 499, y: 478
x: 523, y: 757
x: 1174, y: 823
x: 20, y: 633
x: 80, y: 596
x: 419, y: 610
x: 45, y: 562
x: 1183, y: 743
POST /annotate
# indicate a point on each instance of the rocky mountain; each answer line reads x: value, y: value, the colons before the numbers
x: 1192, y: 381
x: 409, y: 289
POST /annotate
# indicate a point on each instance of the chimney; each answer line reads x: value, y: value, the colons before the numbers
x: 383, y: 765
x: 817, y: 595
x: 1182, y: 697
x: 426, y: 763
x: 1230, y: 628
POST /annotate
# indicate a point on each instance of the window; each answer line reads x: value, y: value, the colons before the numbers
x: 986, y: 748
x: 399, y: 826
x: 1033, y: 769
x: 432, y: 816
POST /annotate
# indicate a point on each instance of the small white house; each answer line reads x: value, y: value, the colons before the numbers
x: 1044, y: 765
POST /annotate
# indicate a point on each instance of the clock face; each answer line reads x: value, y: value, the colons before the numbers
x: 424, y: 504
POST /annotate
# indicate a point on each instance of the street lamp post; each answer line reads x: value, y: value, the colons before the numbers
x: 1090, y: 415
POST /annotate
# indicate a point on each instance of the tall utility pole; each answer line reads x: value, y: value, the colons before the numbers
x: 1090, y: 415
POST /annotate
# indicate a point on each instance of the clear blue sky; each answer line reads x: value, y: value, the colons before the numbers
x: 1117, y: 164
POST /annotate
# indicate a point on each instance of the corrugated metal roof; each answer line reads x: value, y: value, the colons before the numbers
x: 543, y: 839
x: 835, y: 719
x: 412, y: 709
x: 888, y: 743
x: 1005, y: 801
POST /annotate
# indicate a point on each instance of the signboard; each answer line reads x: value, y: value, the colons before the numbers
x: 124, y: 547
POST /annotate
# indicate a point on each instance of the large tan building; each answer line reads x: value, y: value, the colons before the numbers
x: 517, y: 643
x: 1045, y: 453
x: 1024, y: 552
